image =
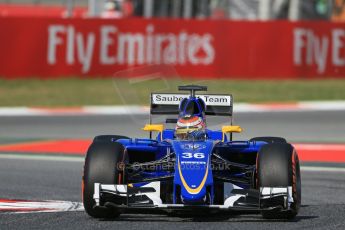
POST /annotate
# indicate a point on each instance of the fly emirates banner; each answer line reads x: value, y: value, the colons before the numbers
x: 32, y: 47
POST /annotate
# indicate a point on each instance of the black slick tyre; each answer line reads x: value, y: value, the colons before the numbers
x: 278, y: 166
x: 102, y: 165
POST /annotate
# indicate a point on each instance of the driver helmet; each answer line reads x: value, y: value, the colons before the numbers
x: 188, y: 124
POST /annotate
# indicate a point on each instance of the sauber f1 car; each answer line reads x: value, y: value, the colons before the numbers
x: 190, y: 168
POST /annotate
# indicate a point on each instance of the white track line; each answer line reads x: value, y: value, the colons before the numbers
x: 42, y: 157
x: 81, y: 159
x: 322, y: 169
x: 144, y: 110
x: 20, y: 206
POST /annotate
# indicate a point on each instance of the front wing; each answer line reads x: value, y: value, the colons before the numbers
x: 146, y: 199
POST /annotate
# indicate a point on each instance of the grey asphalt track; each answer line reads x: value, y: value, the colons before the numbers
x: 323, y: 202
x: 315, y: 126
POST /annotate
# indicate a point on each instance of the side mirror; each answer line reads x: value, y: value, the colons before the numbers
x: 231, y: 129
x: 153, y: 127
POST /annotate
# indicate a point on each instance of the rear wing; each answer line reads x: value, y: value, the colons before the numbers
x: 168, y: 103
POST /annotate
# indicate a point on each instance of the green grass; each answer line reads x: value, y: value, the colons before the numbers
x: 101, y: 91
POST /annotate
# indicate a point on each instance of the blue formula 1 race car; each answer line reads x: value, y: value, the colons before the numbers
x: 190, y: 169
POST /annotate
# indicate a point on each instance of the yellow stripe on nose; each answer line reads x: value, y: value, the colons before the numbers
x: 186, y: 186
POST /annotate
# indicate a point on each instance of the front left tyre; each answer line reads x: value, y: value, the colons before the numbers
x: 102, y: 165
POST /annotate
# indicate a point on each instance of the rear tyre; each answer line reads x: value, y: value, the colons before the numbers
x: 270, y: 140
x: 278, y: 166
x: 108, y: 138
x: 102, y: 166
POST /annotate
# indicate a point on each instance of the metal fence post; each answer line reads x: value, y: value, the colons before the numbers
x: 203, y: 9
x: 264, y: 10
x: 148, y: 8
x: 69, y: 8
x: 294, y: 9
x: 95, y: 7
x: 176, y: 8
x: 92, y: 8
x: 187, y: 8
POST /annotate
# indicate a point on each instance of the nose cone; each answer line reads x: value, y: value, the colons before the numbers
x: 188, y: 198
x: 193, y: 173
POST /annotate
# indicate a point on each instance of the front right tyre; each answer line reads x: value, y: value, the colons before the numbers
x: 278, y: 166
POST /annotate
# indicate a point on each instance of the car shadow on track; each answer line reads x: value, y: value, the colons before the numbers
x: 235, y: 217
x: 222, y: 218
x: 261, y: 220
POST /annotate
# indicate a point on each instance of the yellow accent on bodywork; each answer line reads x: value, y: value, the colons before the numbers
x: 186, y: 186
x: 154, y: 127
x: 231, y: 129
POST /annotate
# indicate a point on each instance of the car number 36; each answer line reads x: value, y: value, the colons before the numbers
x: 193, y: 155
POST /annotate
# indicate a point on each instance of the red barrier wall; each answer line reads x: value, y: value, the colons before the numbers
x: 30, y: 10
x: 93, y: 47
